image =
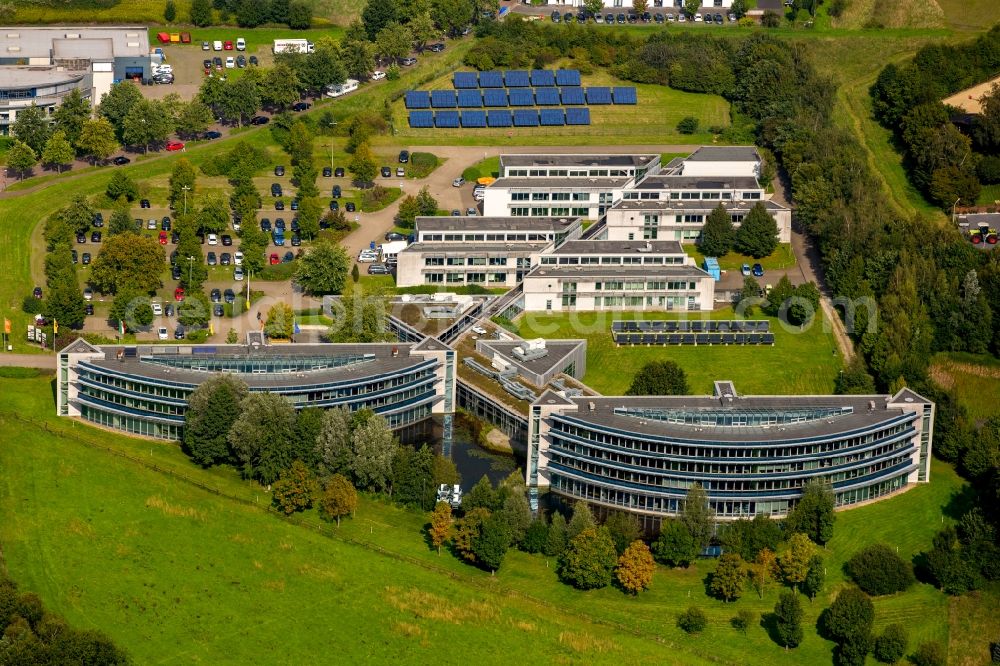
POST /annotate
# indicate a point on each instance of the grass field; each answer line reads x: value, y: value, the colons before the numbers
x: 337, y: 12
x: 797, y: 363
x: 175, y: 573
x: 989, y: 195
x: 970, y: 14
x: 975, y: 380
x: 782, y: 257
x: 653, y: 120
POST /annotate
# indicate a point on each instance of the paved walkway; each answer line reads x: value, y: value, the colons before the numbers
x: 40, y: 361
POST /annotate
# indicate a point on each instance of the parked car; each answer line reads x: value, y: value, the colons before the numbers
x: 378, y: 269
x: 228, y: 45
x: 241, y: 44
x: 378, y: 75
x: 120, y: 160
x: 85, y: 259
x: 227, y: 240
x: 143, y: 203
x: 238, y: 274
x: 74, y: 256
x: 225, y: 259
x: 98, y: 220
x: 241, y: 61
x: 386, y: 172
x: 338, y: 172
x: 479, y: 330
x: 238, y: 258
x: 334, y: 204
x: 260, y: 120
x: 168, y: 310
x: 37, y: 292
x: 88, y: 309
x: 301, y: 106
x: 758, y: 270
x: 175, y: 272
x: 295, y: 204
x: 745, y: 270
x: 179, y: 294
x: 216, y: 295
x: 161, y: 333
x: 404, y: 156
x: 471, y: 211
x: 213, y: 239
x: 393, y: 236
x: 205, y: 46
x: 229, y: 296
x: 217, y: 45
x: 279, y: 170
x: 609, y: 19
x: 556, y: 17
x: 157, y: 309
x: 458, y: 182
x: 276, y: 189
x: 179, y: 332
x: 400, y: 172
x: 212, y: 259
x: 296, y: 241
x: 289, y: 256
x: 81, y: 238
x: 350, y: 207
x: 151, y: 225
x: 163, y: 238
x: 409, y: 61
x: 274, y: 259
x: 175, y: 145
x: 456, y: 212
x: 336, y: 192
x: 279, y: 204
x: 254, y: 61
x: 436, y: 47
x: 218, y: 310
x: 327, y: 172
x: 165, y: 223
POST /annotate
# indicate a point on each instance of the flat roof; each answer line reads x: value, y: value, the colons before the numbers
x: 382, y: 361
x: 39, y: 41
x: 582, y: 182
x: 620, y: 247
x: 660, y: 181
x: 558, y: 350
x: 702, y: 204
x: 724, y: 154
x: 30, y: 76
x: 577, y: 159
x: 618, y: 270
x: 478, y: 247
x: 474, y: 223
x: 100, y: 49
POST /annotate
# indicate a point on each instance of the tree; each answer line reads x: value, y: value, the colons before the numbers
x: 675, y: 547
x: 201, y: 13
x: 194, y: 311
x: 308, y: 426
x: 770, y: 19
x: 623, y: 528
x: 581, y: 520
x: 310, y: 211
x: 855, y: 379
x: 891, y: 645
x: 394, y: 42
x: 182, y: 184
x: 853, y: 652
x: 32, y: 127
x: 718, y: 234
x: 242, y: 99
x: 758, y: 233
x: 193, y: 119
x: 358, y: 58
x: 878, y: 569
x: 638, y: 7
x: 687, y: 125
x: 422, y: 29
x: 850, y: 616
x: 408, y: 211
x: 536, y: 537
x: 373, y: 445
x: 440, y: 529
x: 814, y: 577
x: 482, y: 495
x: 147, y: 122
x: 743, y: 620
x: 170, y: 12
x: 212, y: 409
x: 692, y: 621
x: 377, y: 15
x: 411, y: 482
x: 97, y: 139
x: 121, y: 186
x: 71, y: 115
x: 516, y: 514
x: 788, y: 620
x: 65, y: 302
x: 213, y: 217
x: 281, y: 86
x: 466, y: 530
x: 813, y: 514
x: 490, y: 545
x: 555, y: 542
x: 294, y: 490
x: 280, y: 321
x: 20, y: 158
x: 58, y: 151
x: 428, y: 205
x: 589, y: 560
x: 323, y: 269
x: 739, y: 8
x: 261, y: 436
x: 659, y: 378
x: 795, y: 560
x: 117, y: 103
x: 333, y: 445
x: 698, y: 516
x: 127, y: 260
x: 362, y: 165
x: 929, y: 653
x: 635, y: 568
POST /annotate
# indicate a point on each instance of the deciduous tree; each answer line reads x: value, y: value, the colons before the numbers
x: 363, y: 166
x: 20, y: 158
x: 441, y: 522
x: 183, y: 180
x: 117, y: 103
x: 698, y: 516
x: 635, y: 568
x: 788, y: 620
x: 127, y: 260
x: 813, y: 514
x: 201, y: 13
x: 659, y: 378
x: 212, y: 409
x: 295, y: 488
x: 675, y: 546
x: 729, y: 577
x: 333, y: 445
x: 490, y: 545
x: 850, y: 616
x: 323, y: 269
x: 97, y: 139
x: 58, y: 151
x: 814, y: 577
x: 339, y: 498
x: 280, y: 321
x: 891, y: 644
x: 373, y: 444
x: 581, y: 520
x: 623, y: 528
x: 121, y: 186
x: 795, y: 559
x: 466, y: 530
x: 555, y: 542
x: 262, y: 436
x: 71, y: 114
x: 32, y: 127
x: 692, y: 621
x: 877, y: 569
x: 589, y: 560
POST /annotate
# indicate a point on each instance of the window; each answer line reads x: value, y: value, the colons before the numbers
x: 433, y: 278
x: 518, y: 196
x: 569, y: 300
x: 581, y: 211
x: 751, y: 195
x: 498, y: 261
x: 559, y: 212
x: 536, y: 172
x: 477, y: 261
x: 569, y: 287
x: 540, y: 212
x: 456, y: 261
x: 500, y: 278
x: 648, y: 233
x: 455, y: 277
x: 539, y: 196
x: 517, y: 172
x: 581, y: 196
x: 519, y: 212
x: 434, y: 261
x: 475, y: 277
x: 560, y: 196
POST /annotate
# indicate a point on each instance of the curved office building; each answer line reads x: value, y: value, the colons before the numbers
x: 752, y: 454
x: 144, y: 389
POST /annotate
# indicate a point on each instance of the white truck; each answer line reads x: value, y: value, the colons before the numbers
x: 338, y: 89
x: 293, y: 46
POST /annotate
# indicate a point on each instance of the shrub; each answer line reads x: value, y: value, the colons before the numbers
x: 688, y: 125
x: 377, y: 198
x: 929, y: 654
x: 891, y: 645
x: 693, y: 620
x: 31, y: 305
x: 989, y: 169
x: 422, y: 164
x: 878, y: 570
x: 392, y: 74
x: 743, y: 620
x: 850, y: 616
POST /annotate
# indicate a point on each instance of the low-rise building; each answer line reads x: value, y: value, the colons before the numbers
x: 673, y: 219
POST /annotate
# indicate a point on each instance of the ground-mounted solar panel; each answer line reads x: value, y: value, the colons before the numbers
x: 599, y: 95
x: 473, y: 119
x: 492, y: 97
x: 525, y: 118
x: 466, y: 80
x: 624, y: 95
x: 543, y: 77
x: 567, y: 77
x: 491, y: 79
x: 521, y: 97
x: 497, y: 118
x: 551, y: 117
x: 578, y: 116
x: 421, y: 119
x: 443, y: 99
x: 572, y: 96
x: 417, y: 99
x: 446, y: 119
x: 547, y: 96
x: 516, y: 78
x: 470, y: 99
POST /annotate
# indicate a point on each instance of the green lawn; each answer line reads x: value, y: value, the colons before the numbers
x: 487, y: 168
x: 989, y: 195
x: 87, y: 530
x: 974, y: 378
x: 797, y: 363
x: 782, y: 257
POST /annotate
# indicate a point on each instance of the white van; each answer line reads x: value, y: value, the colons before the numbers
x: 336, y: 90
x: 241, y: 44
x: 217, y: 45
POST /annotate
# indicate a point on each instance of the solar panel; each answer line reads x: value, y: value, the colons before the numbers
x: 578, y: 116
x: 491, y: 79
x: 521, y: 97
x: 550, y: 117
x: 542, y: 77
x: 547, y: 96
x: 571, y: 96
x: 473, y: 119
x: 494, y: 97
x: 446, y: 119
x: 421, y: 119
x: 466, y: 80
x: 470, y: 98
x: 443, y: 99
x: 417, y: 99
x: 525, y: 118
x: 624, y: 95
x: 498, y: 118
x: 600, y: 95
x: 567, y: 77
x: 516, y: 78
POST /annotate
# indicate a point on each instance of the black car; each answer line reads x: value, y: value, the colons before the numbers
x: 225, y: 259
x: 327, y: 172
x: 81, y: 238
x: 98, y: 220
x: 217, y: 61
x: 632, y: 18
x: 143, y: 203
x: 621, y: 18
x: 646, y: 17
x: 212, y: 260
x: 569, y: 18
x: 556, y: 17
x: 386, y: 172
x: 74, y: 255
x: 301, y: 106
x: 295, y: 224
x: 349, y: 206
x: 404, y: 156
x: 279, y: 170
x: 216, y: 296
x: 241, y: 61
x: 265, y: 225
x: 279, y: 205
x: 279, y: 224
x: 253, y: 60
x: 336, y: 191
x: 334, y: 204
x: 165, y: 223
x: 207, y: 63
x: 610, y: 19
x: 288, y: 257
x: 276, y: 189
x: 89, y: 308
x: 173, y: 258
x: 120, y: 160
x: 296, y: 241
x: 95, y: 237
x: 230, y: 296
x: 393, y: 236
x: 179, y: 332
x: 168, y: 309
x: 338, y: 172
x: 436, y: 48
x: 718, y: 19
x: 581, y: 17
x: 456, y: 212
x: 175, y: 272
x: 218, y: 310
x: 295, y: 204
x: 85, y: 259
x: 37, y: 292
x: 175, y: 238
x: 658, y: 17
x: 211, y: 134
x: 227, y: 240
x: 260, y: 120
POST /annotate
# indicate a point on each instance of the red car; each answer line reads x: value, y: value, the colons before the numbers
x: 275, y: 259
x: 228, y: 45
x: 179, y: 294
x: 163, y: 238
x: 175, y: 145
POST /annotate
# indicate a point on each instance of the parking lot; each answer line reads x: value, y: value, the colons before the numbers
x: 189, y: 71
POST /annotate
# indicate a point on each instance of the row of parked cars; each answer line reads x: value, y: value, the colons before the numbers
x: 645, y: 17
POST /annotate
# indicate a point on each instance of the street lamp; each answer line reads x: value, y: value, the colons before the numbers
x: 953, y: 209
x: 190, y: 269
x: 186, y: 189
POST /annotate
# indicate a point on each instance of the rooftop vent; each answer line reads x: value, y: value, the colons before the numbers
x: 591, y: 405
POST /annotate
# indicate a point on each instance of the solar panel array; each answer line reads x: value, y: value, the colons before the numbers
x: 446, y: 119
x: 525, y: 118
x: 421, y: 119
x: 494, y: 98
x: 498, y: 119
x: 491, y: 79
x: 550, y: 117
x: 520, y: 97
x: 466, y: 80
x: 599, y: 95
x: 516, y: 78
x: 567, y: 77
x: 624, y: 95
x: 543, y: 77
x: 469, y: 98
x: 547, y: 96
x: 578, y: 116
x: 716, y: 332
x: 418, y: 99
x: 501, y: 118
x: 572, y: 96
x: 443, y: 99
x: 473, y: 119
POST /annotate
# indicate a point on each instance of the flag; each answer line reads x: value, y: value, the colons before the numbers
x: 121, y: 327
x: 211, y: 329
x: 55, y: 327
x: 6, y: 326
